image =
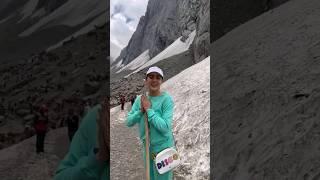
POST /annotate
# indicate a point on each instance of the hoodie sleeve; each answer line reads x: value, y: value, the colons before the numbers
x: 80, y: 163
x: 162, y: 123
x: 135, y: 114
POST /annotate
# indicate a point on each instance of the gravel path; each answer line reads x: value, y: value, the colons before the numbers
x: 20, y: 161
x: 126, y: 153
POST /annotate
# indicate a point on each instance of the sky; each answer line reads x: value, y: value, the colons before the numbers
x: 124, y: 18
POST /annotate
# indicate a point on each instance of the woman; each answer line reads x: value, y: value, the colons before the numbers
x: 159, y: 109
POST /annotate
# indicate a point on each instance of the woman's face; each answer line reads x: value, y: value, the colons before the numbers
x: 153, y: 82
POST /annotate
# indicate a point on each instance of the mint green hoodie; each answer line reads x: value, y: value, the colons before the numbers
x: 160, y: 121
x: 80, y: 163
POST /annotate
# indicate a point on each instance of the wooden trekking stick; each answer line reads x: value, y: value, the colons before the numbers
x: 146, y: 131
x: 147, y: 146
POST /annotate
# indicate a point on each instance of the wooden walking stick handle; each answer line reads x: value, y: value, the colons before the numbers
x: 147, y: 146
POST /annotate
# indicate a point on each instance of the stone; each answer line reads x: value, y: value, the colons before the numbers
x: 91, y: 87
x: 23, y: 112
x: 29, y: 118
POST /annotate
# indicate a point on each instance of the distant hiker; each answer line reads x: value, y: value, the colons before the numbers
x: 40, y: 126
x: 72, y: 123
x: 81, y: 108
x: 62, y: 120
x: 88, y: 156
x: 87, y: 106
x: 44, y: 109
x: 122, y: 101
x: 158, y: 107
x: 132, y: 99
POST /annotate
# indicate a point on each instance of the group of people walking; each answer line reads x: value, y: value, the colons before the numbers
x: 123, y: 100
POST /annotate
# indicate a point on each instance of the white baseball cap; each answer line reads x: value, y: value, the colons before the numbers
x: 155, y: 69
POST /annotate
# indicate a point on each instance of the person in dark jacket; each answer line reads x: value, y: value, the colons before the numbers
x: 73, y: 123
x: 132, y: 100
x: 41, y: 127
x: 122, y: 101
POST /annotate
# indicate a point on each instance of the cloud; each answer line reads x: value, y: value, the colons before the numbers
x: 118, y: 8
x: 114, y: 50
x: 129, y: 19
x: 125, y: 15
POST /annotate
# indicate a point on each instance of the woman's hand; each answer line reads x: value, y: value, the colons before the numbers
x: 145, y: 103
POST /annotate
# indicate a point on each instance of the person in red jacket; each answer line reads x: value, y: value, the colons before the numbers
x: 122, y: 101
x: 41, y: 127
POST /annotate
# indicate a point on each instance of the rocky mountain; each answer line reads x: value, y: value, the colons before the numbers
x: 265, y: 98
x: 30, y: 26
x: 163, y: 23
x: 128, y: 81
x: 202, y: 39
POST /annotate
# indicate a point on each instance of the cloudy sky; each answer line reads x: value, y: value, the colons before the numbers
x: 125, y: 15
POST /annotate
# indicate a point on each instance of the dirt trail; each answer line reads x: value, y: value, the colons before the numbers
x: 126, y: 154
x: 20, y: 161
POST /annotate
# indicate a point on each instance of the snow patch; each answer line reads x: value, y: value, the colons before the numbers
x: 72, y: 13
x: 137, y: 62
x: 28, y: 9
x: 39, y: 13
x: 190, y: 90
x: 118, y: 65
x: 175, y: 48
x: 100, y: 20
x: 6, y: 19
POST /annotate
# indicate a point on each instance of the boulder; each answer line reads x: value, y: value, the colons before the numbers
x: 23, y: 112
x: 91, y: 87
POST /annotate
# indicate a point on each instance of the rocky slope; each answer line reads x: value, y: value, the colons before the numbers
x: 163, y: 23
x: 265, y: 100
x: 63, y: 78
x: 228, y: 14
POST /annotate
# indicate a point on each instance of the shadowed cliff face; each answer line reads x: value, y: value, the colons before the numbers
x: 156, y: 30
x: 50, y: 5
x: 228, y: 14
